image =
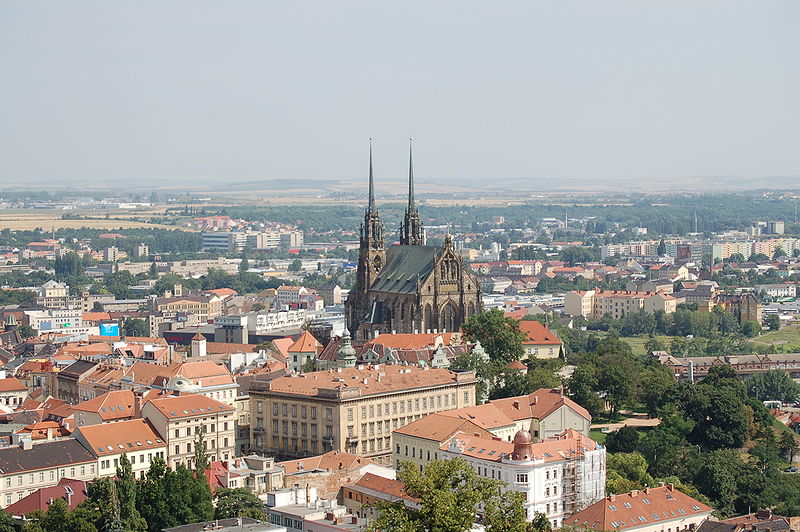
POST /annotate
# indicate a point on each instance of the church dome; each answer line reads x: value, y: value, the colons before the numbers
x: 523, y: 448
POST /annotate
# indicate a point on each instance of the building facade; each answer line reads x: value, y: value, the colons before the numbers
x: 351, y: 409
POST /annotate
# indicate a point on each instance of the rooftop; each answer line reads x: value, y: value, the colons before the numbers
x: 121, y: 437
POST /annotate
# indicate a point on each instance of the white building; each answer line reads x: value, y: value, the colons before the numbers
x: 557, y: 477
x: 55, y: 319
x: 777, y: 290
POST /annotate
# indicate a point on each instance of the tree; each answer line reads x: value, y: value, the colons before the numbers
x: 662, y: 248
x: 244, y: 265
x: 751, y: 329
x: 135, y: 327
x: 152, y: 500
x: 449, y: 493
x: 237, y: 502
x: 295, y: 266
x: 773, y: 385
x: 576, y: 255
x: 126, y: 489
x: 499, y: 335
x: 773, y: 322
x: 630, y: 467
x: 581, y: 385
x: 616, y: 384
x: 789, y: 445
x: 717, y: 478
x: 200, y: 452
x: 623, y: 440
x: 7, y: 522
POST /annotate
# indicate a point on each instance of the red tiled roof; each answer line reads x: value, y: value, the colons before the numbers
x: 118, y: 404
x: 306, y: 343
x: 188, y: 405
x: 441, y: 426
x: 411, y: 341
x: 393, y: 488
x: 10, y: 384
x: 657, y: 506
x: 41, y: 498
x: 120, y: 437
x: 537, y: 333
x: 330, y: 461
x: 537, y: 405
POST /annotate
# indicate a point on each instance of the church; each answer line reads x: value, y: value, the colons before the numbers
x: 409, y: 287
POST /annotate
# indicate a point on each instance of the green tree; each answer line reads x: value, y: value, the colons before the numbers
x: 152, y: 500
x: 244, y: 265
x: 295, y: 266
x: 789, y: 445
x: 499, y: 335
x: 135, y: 327
x: 200, y: 461
x: 717, y: 478
x: 617, y: 386
x: 450, y: 492
x: 581, y: 385
x: 751, y: 329
x: 773, y: 322
x: 7, y: 522
x: 623, y: 440
x: 630, y: 469
x: 773, y: 385
x: 126, y: 488
x: 662, y: 248
x: 237, y: 502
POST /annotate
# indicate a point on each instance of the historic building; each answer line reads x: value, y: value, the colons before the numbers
x: 410, y: 287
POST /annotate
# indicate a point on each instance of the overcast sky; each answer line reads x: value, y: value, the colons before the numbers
x: 238, y: 90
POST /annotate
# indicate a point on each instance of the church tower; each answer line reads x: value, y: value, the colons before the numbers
x: 371, y: 255
x: 411, y: 233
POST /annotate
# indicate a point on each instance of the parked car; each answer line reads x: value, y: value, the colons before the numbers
x: 792, y: 469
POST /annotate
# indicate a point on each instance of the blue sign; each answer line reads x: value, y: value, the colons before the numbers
x: 109, y: 329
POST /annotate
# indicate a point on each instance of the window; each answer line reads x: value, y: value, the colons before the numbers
x: 349, y: 414
x: 294, y: 410
x: 285, y: 409
x: 274, y: 409
x: 313, y: 412
x: 547, y: 494
x: 260, y: 407
x: 303, y: 412
x: 466, y: 397
x: 371, y: 411
x: 177, y: 433
x: 522, y: 478
x: 627, y: 505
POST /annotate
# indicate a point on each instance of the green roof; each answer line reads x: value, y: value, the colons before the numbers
x: 404, y: 265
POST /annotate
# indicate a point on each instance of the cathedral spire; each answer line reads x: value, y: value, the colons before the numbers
x: 410, y: 172
x: 371, y: 202
x: 411, y: 233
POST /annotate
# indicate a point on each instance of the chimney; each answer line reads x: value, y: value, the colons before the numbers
x: 536, y: 399
x: 515, y: 404
x: 634, y: 493
x: 671, y: 487
x: 612, y: 497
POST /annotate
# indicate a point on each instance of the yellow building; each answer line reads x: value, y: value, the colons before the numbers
x: 353, y: 409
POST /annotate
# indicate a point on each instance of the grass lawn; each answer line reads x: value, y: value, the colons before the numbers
x: 596, y: 435
x: 637, y: 343
x: 787, y: 334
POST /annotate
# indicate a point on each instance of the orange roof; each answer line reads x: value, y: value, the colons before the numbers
x: 223, y: 292
x: 411, y: 341
x: 516, y: 364
x: 96, y: 316
x: 486, y: 416
x: 10, y: 384
x: 206, y: 371
x: 118, y: 404
x: 537, y: 405
x: 306, y: 343
x: 330, y: 461
x: 40, y: 430
x: 188, y: 405
x: 568, y: 444
x: 283, y: 345
x: 441, y: 426
x: 369, y: 380
x: 219, y: 348
x: 537, y: 333
x: 393, y: 488
x: 657, y: 506
x: 120, y: 437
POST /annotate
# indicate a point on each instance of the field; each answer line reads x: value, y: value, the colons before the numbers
x: 48, y: 220
x: 788, y: 337
x: 637, y: 343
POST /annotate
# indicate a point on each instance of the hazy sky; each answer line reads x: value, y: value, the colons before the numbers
x: 239, y: 90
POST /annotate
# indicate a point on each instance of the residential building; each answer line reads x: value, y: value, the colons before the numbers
x: 12, y: 393
x: 328, y: 472
x: 179, y: 418
x: 135, y: 438
x: 419, y: 441
x: 26, y: 468
x: 775, y: 228
x: 53, y: 289
x: 142, y: 250
x: 594, y: 304
x: 287, y: 295
x: 111, y: 254
x: 73, y: 492
x: 352, y: 409
x: 776, y: 290
x: 657, y: 509
x: 303, y: 352
x: 694, y: 368
x: 205, y: 307
x: 746, y: 307
x: 110, y: 407
x: 539, y: 341
x: 69, y: 382
x: 55, y: 319
x: 203, y: 377
x: 361, y: 498
x: 545, y: 413
x: 556, y: 476
x: 232, y: 524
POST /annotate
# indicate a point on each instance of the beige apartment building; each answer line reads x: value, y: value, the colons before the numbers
x: 178, y: 418
x: 353, y: 410
x: 135, y: 438
x: 594, y: 304
x: 25, y: 468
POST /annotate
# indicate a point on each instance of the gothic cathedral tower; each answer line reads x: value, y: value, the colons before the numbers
x: 411, y: 233
x: 371, y: 256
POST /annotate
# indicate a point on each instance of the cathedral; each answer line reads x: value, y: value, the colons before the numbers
x: 409, y: 287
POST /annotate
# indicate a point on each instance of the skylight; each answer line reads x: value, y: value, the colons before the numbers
x: 627, y: 505
x: 695, y: 507
x: 646, y: 500
x: 612, y: 507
